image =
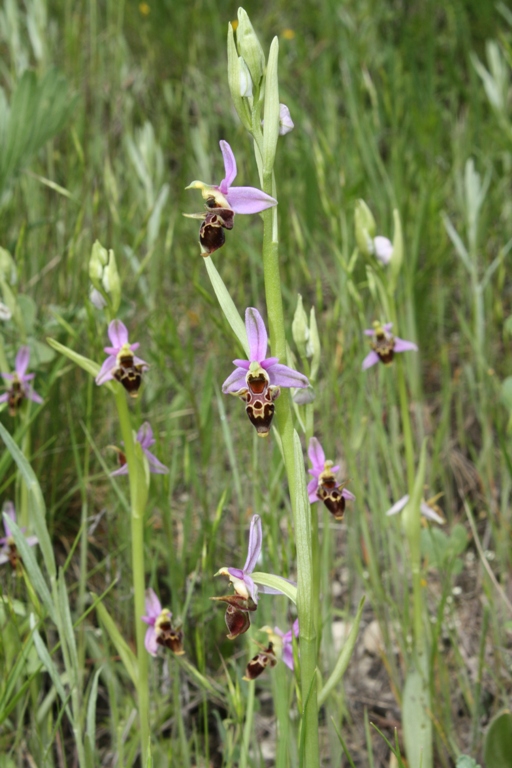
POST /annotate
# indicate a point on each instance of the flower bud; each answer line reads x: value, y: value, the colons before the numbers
x: 300, y: 330
x: 111, y: 282
x: 365, y: 228
x: 97, y: 263
x: 245, y: 79
x: 249, y: 47
x: 286, y: 123
x: 316, y: 349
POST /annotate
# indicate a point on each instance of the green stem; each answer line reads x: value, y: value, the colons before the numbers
x: 248, y: 726
x: 137, y: 499
x: 284, y: 419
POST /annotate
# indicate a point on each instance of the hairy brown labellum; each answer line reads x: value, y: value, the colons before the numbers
x: 258, y: 664
x: 211, y: 231
x: 169, y: 637
x: 128, y: 374
x: 330, y: 492
x: 259, y: 398
x: 16, y: 396
x: 237, y: 613
x: 13, y: 555
x: 383, y: 344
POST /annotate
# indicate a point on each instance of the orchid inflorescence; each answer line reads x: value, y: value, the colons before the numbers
x: 20, y: 386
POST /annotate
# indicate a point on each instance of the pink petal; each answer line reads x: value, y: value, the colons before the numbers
x: 4, y: 558
x: 4, y: 398
x: 371, y: 359
x: 430, y: 513
x: 235, y: 382
x: 27, y: 377
x: 348, y: 495
x: 285, y: 120
x: 32, y: 541
x: 9, y: 510
x: 316, y: 454
x: 145, y: 435
x: 282, y: 376
x: 32, y: 395
x: 251, y: 587
x: 312, y: 489
x: 249, y: 200
x: 265, y: 364
x: 229, y: 167
x: 118, y: 333
x: 287, y: 656
x: 256, y: 335
x: 150, y: 641
x: 369, y: 332
x: 121, y: 471
x: 398, y: 506
x: 155, y: 465
x: 404, y: 346
x: 138, y: 361
x: 106, y: 369
x: 245, y: 364
x: 153, y: 605
x: 255, y: 542
x: 22, y: 360
x: 387, y: 327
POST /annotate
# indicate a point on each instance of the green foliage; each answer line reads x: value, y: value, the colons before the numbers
x: 498, y: 741
x: 443, y: 550
x: 38, y: 110
x: 464, y: 761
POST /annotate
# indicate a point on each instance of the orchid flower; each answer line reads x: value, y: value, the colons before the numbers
x: 425, y: 510
x: 324, y: 486
x: 19, y: 388
x: 237, y: 199
x: 8, y: 551
x: 146, y: 440
x: 246, y: 595
x: 286, y: 123
x: 160, y: 630
x: 385, y: 345
x: 121, y: 364
x: 258, y: 380
x: 280, y: 646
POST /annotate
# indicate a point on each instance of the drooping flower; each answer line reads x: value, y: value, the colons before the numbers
x: 20, y: 388
x: 385, y: 345
x: 121, y: 364
x: 324, y: 486
x: 245, y: 599
x: 8, y: 550
x: 146, y: 440
x: 425, y: 509
x: 223, y: 201
x: 160, y: 630
x: 257, y: 381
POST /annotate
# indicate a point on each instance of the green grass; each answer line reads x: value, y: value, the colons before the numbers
x: 388, y: 107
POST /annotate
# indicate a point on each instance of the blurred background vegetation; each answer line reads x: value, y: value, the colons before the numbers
x: 107, y: 111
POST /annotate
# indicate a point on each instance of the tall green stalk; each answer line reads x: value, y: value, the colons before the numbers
x: 138, y: 498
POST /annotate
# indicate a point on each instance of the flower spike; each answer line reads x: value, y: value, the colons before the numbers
x: 20, y: 388
x: 257, y: 381
x: 121, y: 364
x: 160, y: 630
x: 223, y: 201
x: 385, y: 345
x: 324, y: 486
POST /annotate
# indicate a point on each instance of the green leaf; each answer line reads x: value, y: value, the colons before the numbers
x: 498, y: 741
x: 125, y: 652
x: 276, y: 582
x: 506, y: 393
x: 91, y: 711
x: 416, y: 721
x: 50, y: 667
x: 31, y: 567
x: 227, y: 304
x: 38, y: 508
x: 343, y: 659
x: 84, y: 362
x: 464, y: 761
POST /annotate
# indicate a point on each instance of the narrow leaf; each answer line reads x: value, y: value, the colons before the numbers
x: 50, y: 667
x: 416, y: 721
x: 83, y: 362
x: 227, y: 304
x: 125, y: 652
x: 343, y: 659
x: 276, y: 582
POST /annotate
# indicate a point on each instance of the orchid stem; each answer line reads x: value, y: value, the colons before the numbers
x: 284, y: 418
x: 137, y: 532
x: 248, y: 726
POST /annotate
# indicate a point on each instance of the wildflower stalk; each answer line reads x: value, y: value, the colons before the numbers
x: 138, y: 495
x: 308, y: 617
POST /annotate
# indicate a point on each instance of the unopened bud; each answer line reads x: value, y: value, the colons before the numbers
x: 97, y: 263
x: 111, y: 282
x: 300, y: 330
x: 365, y: 228
x: 249, y: 47
x: 285, y: 120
